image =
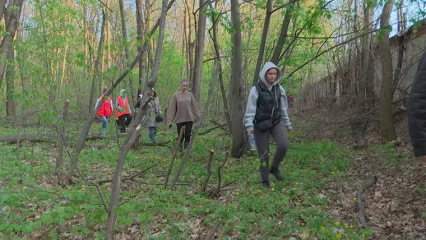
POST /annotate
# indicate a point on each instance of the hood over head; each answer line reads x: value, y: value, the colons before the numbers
x: 122, y: 91
x: 266, y: 67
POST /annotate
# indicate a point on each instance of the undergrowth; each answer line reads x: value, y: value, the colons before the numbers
x: 32, y: 204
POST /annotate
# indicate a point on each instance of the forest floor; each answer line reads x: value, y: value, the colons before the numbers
x: 316, y: 200
x: 396, y: 205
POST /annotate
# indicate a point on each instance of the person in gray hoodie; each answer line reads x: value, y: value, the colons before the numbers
x: 266, y: 114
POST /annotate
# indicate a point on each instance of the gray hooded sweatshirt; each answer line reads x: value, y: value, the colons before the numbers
x: 252, y: 99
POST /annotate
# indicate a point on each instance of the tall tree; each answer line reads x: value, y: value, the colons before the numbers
x: 283, y: 33
x: 237, y: 90
x: 199, y: 52
x: 126, y: 47
x: 265, y: 31
x: 10, y: 83
x: 215, y: 20
x: 134, y: 132
x: 13, y: 12
x: 96, y: 70
x: 387, y: 129
x: 140, y: 39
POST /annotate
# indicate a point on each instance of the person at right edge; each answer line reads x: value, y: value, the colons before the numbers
x: 417, y: 112
x: 183, y: 110
x: 266, y: 114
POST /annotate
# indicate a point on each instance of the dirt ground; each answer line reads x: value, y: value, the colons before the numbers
x: 395, y: 207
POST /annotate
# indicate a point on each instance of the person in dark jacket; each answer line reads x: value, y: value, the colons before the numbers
x: 266, y: 114
x: 417, y: 112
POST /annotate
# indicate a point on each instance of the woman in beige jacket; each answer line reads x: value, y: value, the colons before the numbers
x: 183, y: 110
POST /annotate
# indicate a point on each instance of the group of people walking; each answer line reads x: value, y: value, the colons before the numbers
x: 266, y: 115
x: 182, y: 110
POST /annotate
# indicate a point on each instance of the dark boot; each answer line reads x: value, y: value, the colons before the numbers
x: 185, y: 145
x: 276, y: 172
x: 265, y: 184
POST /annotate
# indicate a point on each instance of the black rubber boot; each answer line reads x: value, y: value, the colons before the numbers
x: 185, y: 145
x: 265, y: 184
x: 277, y: 174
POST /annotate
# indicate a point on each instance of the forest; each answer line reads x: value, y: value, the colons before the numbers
x: 347, y: 67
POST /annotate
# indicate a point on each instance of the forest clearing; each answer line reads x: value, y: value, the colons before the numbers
x: 144, y: 119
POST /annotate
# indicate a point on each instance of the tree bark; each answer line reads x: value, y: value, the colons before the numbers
x: 12, y: 24
x: 2, y: 8
x: 265, y: 31
x: 140, y: 38
x: 10, y: 83
x: 199, y: 52
x: 238, y: 136
x: 61, y: 138
x: 134, y: 132
x: 97, y: 64
x: 220, y: 70
x: 126, y: 48
x: 283, y: 34
x: 387, y: 128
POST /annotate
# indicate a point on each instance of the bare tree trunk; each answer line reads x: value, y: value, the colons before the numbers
x: 238, y: 136
x: 387, y: 129
x: 199, y: 52
x: 220, y: 70
x: 10, y: 83
x: 2, y: 8
x: 140, y: 39
x: 12, y: 23
x: 283, y: 34
x: 96, y: 69
x: 265, y: 31
x: 61, y: 139
x: 189, y: 42
x: 126, y: 47
x: 134, y: 132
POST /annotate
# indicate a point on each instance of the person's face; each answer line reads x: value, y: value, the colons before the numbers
x: 271, y: 76
x: 151, y: 94
x: 184, y: 86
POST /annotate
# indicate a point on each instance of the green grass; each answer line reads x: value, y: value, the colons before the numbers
x: 31, y: 203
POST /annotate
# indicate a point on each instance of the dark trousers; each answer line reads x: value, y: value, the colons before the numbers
x: 124, y: 121
x: 187, y: 133
x: 262, y: 144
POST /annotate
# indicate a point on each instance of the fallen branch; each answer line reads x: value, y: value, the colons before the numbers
x: 214, y: 230
x: 213, y: 128
x: 131, y: 178
x: 370, y: 181
x: 12, y: 139
x: 102, y: 146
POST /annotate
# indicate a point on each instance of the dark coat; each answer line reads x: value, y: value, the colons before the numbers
x: 417, y: 110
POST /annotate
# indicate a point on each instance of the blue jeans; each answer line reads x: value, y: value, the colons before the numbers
x: 104, y: 122
x: 152, y: 132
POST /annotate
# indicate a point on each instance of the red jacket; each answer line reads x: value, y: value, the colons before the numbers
x: 106, y: 108
x: 124, y: 104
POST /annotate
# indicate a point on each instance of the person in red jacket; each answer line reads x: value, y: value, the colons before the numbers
x: 122, y: 111
x: 105, y: 110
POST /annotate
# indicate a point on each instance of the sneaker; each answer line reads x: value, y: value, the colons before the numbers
x: 277, y: 174
x: 265, y: 184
